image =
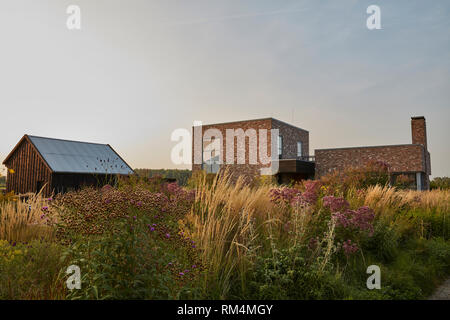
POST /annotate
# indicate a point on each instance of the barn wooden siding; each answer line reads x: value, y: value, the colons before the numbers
x: 63, y: 182
x: 29, y: 168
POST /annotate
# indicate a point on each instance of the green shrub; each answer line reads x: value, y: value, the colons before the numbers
x: 140, y: 261
x: 383, y: 244
x: 31, y: 270
x: 440, y: 183
x: 289, y: 275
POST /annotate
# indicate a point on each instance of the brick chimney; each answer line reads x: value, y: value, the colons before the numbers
x: 419, y: 131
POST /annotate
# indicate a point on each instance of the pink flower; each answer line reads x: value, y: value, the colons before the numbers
x: 361, y: 219
x: 335, y: 204
x: 349, y: 247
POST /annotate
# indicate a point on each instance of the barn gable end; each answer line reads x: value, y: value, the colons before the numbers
x: 27, y: 170
x: 58, y: 165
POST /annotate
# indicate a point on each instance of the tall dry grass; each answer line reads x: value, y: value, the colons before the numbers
x: 24, y: 219
x: 232, y: 222
x: 226, y: 221
x: 380, y: 198
x: 424, y: 213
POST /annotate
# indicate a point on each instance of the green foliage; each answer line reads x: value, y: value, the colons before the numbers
x: 181, y: 176
x: 136, y: 241
x: 383, y: 244
x: 31, y: 270
x: 440, y: 183
x: 287, y: 274
x: 134, y: 263
x: 199, y: 177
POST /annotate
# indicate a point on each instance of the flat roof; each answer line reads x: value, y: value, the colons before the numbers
x: 249, y: 120
x: 364, y: 147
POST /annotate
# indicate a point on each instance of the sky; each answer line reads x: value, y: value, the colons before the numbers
x: 139, y: 69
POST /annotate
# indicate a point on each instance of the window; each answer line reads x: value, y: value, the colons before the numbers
x: 299, y: 149
x: 211, y: 155
x: 280, y: 145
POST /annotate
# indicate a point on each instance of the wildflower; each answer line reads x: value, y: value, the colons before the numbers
x: 181, y: 274
x: 167, y: 235
x: 361, y: 219
x: 335, y: 204
x: 193, y: 246
x: 134, y: 217
x: 152, y: 229
x: 139, y: 203
x: 44, y: 208
x: 349, y: 247
x: 194, y: 266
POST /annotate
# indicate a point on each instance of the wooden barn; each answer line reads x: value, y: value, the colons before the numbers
x: 61, y: 165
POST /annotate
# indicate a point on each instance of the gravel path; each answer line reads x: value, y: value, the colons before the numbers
x: 442, y: 292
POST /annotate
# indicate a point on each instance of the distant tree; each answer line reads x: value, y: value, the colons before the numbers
x: 181, y: 176
x: 440, y: 183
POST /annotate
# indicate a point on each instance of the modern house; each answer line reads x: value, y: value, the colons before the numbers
x: 56, y: 165
x: 410, y: 160
x: 243, y: 140
x: 216, y: 149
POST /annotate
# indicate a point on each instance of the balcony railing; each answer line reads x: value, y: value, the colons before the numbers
x: 307, y: 158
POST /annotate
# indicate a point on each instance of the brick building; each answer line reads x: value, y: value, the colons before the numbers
x: 410, y: 160
x: 238, y: 146
x: 229, y: 145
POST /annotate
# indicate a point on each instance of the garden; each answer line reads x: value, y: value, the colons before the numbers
x: 220, y: 238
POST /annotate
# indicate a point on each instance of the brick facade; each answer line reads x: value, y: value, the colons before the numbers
x: 401, y: 158
x: 409, y: 158
x: 419, y: 131
x: 291, y: 135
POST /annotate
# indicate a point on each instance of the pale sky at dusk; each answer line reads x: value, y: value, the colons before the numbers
x: 139, y: 69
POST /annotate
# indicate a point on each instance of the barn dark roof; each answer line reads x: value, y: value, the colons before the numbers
x: 79, y: 157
